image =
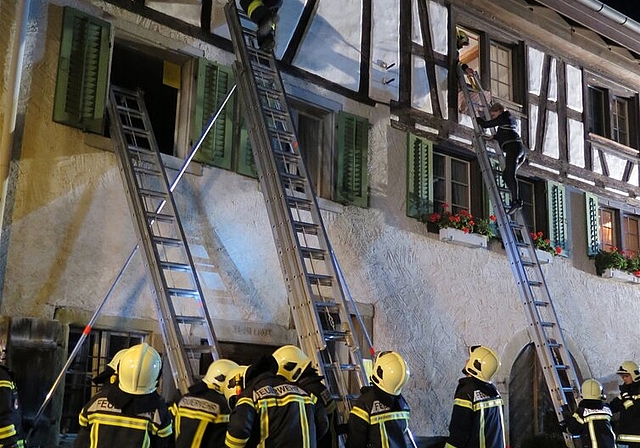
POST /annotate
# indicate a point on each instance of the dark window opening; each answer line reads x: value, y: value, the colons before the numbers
x: 134, y: 69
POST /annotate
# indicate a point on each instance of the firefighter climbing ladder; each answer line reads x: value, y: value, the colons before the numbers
x: 544, y: 327
x: 181, y: 307
x: 315, y: 292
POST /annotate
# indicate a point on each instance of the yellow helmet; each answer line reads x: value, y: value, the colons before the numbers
x: 291, y: 362
x: 234, y: 384
x: 592, y: 390
x: 631, y: 368
x: 116, y: 359
x: 483, y: 363
x: 139, y: 370
x: 462, y: 39
x: 217, y: 373
x: 390, y: 372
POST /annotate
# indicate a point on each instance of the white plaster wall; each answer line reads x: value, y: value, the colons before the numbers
x: 575, y: 140
x: 551, y: 143
x: 70, y: 230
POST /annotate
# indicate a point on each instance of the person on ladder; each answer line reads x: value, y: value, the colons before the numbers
x: 296, y: 367
x: 511, y: 144
x: 380, y: 416
x: 265, y: 14
x: 592, y: 419
x: 201, y: 416
x: 628, y: 405
x: 477, y: 420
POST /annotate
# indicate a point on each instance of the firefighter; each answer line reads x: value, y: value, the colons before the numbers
x: 131, y: 415
x: 201, y: 416
x: 477, y: 420
x: 628, y: 405
x: 264, y: 13
x: 272, y: 412
x: 11, y: 432
x: 295, y: 366
x: 109, y: 375
x: 380, y: 416
x: 592, y: 419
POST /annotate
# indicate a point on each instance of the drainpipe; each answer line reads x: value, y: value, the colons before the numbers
x: 10, y: 106
x: 612, y: 14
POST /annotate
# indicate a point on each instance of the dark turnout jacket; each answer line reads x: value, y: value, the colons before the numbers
x: 507, y: 128
x: 477, y: 420
x: 628, y: 405
x: 113, y: 418
x: 274, y: 413
x: 11, y: 433
x: 379, y: 420
x: 311, y: 382
x: 201, y: 418
x: 592, y: 422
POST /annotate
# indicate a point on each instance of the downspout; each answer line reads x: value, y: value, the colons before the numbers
x: 10, y: 106
x: 612, y: 14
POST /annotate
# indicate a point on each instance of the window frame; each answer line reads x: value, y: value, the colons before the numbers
x: 494, y: 77
x: 603, y: 117
x: 448, y: 195
x: 603, y: 243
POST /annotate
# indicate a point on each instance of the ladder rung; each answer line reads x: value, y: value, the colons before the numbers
x: 294, y: 178
x: 147, y: 171
x: 153, y: 193
x: 166, y: 241
x: 540, y: 303
x: 182, y: 292
x: 281, y: 135
x: 535, y: 283
x: 141, y: 151
x: 134, y: 130
x: 161, y: 217
x: 320, y: 279
x: 313, y: 253
x: 547, y: 324
x: 562, y: 367
x: 326, y: 306
x: 190, y: 320
x: 173, y: 266
x: 301, y: 203
x: 128, y: 111
x: 289, y: 157
x: 308, y: 228
x: 332, y: 335
x: 198, y: 349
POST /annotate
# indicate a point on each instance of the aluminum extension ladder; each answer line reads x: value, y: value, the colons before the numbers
x: 544, y: 328
x: 182, y: 312
x: 320, y: 309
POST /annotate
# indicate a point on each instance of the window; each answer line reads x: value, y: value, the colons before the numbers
x: 501, y: 66
x: 630, y: 225
x: 83, y: 65
x: 607, y: 231
x: 92, y: 359
x: 313, y: 128
x: 527, y: 194
x: 451, y: 183
x: 610, y: 115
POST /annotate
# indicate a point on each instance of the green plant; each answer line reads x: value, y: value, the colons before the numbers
x: 617, y: 259
x: 464, y: 221
x: 542, y: 243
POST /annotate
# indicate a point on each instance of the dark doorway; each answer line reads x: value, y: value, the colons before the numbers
x: 135, y: 69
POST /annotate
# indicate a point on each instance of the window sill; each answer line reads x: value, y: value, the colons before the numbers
x: 612, y: 146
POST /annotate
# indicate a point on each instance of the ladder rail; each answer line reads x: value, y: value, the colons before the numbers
x: 315, y: 289
x: 533, y: 290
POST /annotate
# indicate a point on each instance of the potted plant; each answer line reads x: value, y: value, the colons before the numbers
x: 617, y: 265
x: 544, y: 250
x: 462, y: 228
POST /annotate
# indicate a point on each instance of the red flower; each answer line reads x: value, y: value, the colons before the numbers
x: 466, y: 229
x: 492, y: 218
x: 533, y: 236
x: 558, y: 250
x: 540, y: 234
x: 434, y: 217
x: 636, y: 273
x: 471, y: 223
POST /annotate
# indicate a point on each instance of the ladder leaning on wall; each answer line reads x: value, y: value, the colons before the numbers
x: 544, y: 328
x: 182, y: 312
x: 319, y: 305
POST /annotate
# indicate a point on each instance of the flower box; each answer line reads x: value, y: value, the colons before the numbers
x: 544, y: 257
x: 620, y: 276
x: 456, y: 236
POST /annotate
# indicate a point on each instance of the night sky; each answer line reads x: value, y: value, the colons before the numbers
x: 629, y: 8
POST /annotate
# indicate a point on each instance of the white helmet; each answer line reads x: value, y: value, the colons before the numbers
x: 217, y: 373
x: 139, y: 370
x: 116, y: 359
x: 483, y: 363
x: 592, y: 390
x: 631, y: 368
x: 291, y: 362
x: 390, y: 372
x: 234, y: 384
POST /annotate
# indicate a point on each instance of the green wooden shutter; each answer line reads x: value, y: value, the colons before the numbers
x: 214, y: 81
x: 246, y: 163
x: 593, y: 224
x: 419, y: 177
x: 556, y: 204
x: 353, y: 147
x: 83, y: 67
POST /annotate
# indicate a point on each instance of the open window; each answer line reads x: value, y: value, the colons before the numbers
x: 611, y: 114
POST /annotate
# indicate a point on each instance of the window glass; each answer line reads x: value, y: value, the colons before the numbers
x: 450, y: 183
x: 620, y: 121
x: 607, y: 229
x: 597, y: 111
x: 527, y: 194
x: 631, y: 235
x: 501, y: 71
